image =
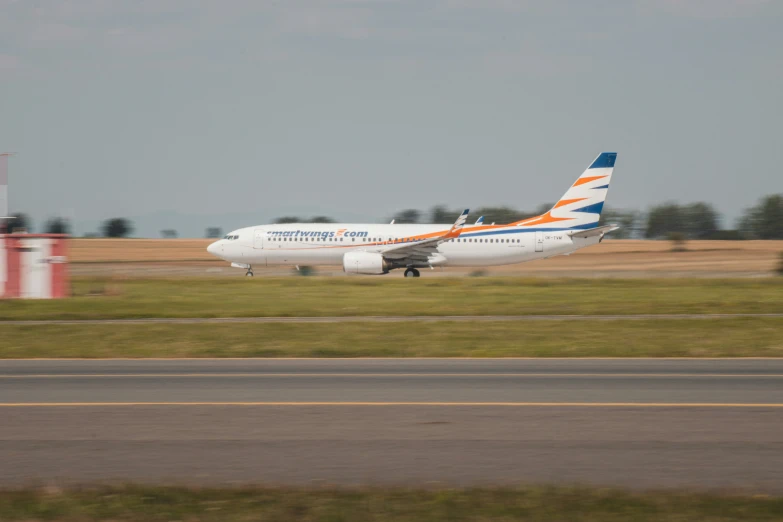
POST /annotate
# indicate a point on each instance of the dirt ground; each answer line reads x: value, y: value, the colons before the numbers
x: 612, y: 258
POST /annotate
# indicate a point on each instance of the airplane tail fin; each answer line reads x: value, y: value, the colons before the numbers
x: 581, y: 205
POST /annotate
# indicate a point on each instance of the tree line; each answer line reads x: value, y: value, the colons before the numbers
x: 690, y: 221
x: 114, y: 227
x: 697, y: 220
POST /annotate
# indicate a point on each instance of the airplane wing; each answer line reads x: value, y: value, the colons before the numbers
x: 590, y: 232
x: 415, y: 250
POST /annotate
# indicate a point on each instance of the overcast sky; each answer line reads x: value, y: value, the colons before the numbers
x: 211, y: 111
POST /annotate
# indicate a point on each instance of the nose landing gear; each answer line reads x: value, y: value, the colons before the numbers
x: 412, y: 272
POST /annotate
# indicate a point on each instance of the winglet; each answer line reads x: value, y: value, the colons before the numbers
x: 480, y: 220
x: 456, y: 228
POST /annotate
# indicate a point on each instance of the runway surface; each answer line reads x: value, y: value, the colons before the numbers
x: 622, y: 422
x: 385, y: 319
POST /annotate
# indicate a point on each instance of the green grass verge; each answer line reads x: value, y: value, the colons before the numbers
x: 132, y: 503
x: 742, y: 337
x: 224, y: 297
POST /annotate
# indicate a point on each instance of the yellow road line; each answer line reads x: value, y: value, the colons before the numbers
x: 398, y: 403
x: 377, y: 374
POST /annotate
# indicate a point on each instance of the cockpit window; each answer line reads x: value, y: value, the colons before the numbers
x: 231, y: 237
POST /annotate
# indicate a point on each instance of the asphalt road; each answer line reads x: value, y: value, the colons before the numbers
x: 642, y: 423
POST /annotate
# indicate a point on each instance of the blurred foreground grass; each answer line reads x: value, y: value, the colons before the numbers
x: 736, y: 337
x: 132, y: 503
x: 224, y: 297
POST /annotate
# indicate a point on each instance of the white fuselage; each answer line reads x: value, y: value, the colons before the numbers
x: 326, y: 244
x: 571, y: 224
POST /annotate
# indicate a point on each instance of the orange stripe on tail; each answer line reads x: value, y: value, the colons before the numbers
x: 564, y: 202
x: 540, y: 220
x: 587, y: 179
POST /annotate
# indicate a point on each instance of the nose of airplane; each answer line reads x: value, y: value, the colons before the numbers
x: 213, y: 248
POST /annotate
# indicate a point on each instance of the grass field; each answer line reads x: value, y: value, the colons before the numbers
x: 132, y: 503
x: 757, y: 337
x: 292, y: 297
x: 227, y: 297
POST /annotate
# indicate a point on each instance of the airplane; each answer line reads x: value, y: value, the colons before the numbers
x: 571, y: 224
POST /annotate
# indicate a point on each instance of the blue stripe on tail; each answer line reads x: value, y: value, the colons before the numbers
x: 595, y: 208
x: 604, y: 161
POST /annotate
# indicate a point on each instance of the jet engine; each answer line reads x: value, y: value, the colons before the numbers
x: 365, y: 263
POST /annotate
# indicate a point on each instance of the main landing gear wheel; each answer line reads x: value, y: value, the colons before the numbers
x: 412, y: 272
x: 249, y: 272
